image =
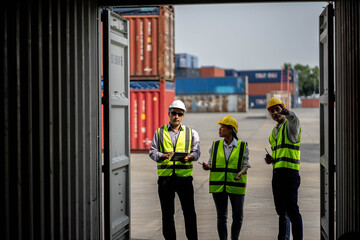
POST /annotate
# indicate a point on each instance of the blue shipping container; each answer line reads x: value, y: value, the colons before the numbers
x: 187, y: 72
x: 137, y: 11
x: 184, y: 60
x: 150, y: 85
x: 257, y: 102
x: 203, y: 85
x: 231, y: 73
x: 261, y: 76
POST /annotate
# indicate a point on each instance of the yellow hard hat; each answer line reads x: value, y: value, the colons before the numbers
x: 229, y: 120
x: 273, y: 102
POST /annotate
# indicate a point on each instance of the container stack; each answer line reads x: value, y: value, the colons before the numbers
x: 212, y: 71
x: 186, y: 66
x: 262, y: 82
x: 213, y: 94
x: 152, y: 75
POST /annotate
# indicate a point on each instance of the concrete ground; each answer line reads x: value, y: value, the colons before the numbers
x: 260, y: 218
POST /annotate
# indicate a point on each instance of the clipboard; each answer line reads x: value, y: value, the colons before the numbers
x: 178, y: 156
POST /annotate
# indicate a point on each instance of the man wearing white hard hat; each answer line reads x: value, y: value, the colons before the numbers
x: 175, y: 175
x: 285, y: 159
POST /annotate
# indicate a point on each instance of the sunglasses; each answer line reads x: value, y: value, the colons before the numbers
x: 177, y: 113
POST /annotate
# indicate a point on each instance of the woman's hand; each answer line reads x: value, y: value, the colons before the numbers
x: 243, y: 171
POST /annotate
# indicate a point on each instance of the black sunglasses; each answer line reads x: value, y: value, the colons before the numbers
x: 178, y: 113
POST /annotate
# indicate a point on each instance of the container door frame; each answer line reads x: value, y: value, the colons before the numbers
x: 327, y: 127
x: 116, y: 101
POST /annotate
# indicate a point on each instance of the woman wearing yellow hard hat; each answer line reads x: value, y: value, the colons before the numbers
x: 228, y: 164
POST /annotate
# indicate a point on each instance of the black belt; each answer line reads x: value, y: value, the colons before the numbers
x: 285, y: 170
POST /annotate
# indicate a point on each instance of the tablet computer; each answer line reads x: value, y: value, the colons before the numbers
x: 179, y: 156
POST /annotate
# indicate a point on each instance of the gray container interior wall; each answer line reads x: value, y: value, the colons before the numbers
x: 347, y: 61
x: 49, y: 100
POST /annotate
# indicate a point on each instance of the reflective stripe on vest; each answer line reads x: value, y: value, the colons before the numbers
x: 222, y: 173
x: 285, y: 153
x: 183, y: 144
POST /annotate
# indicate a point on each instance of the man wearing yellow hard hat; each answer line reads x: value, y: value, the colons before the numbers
x: 285, y: 159
x: 228, y: 164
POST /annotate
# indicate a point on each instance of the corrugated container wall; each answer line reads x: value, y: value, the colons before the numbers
x: 151, y: 43
x: 212, y: 72
x: 50, y: 164
x: 184, y: 60
x: 219, y: 85
x: 148, y: 111
x: 347, y: 58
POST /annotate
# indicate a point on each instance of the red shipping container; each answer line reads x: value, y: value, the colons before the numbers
x: 310, y: 102
x: 152, y: 45
x: 148, y: 112
x: 261, y: 89
x: 151, y: 42
x: 212, y: 72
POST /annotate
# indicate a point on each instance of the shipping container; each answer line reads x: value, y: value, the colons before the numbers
x: 260, y: 76
x: 137, y: 10
x: 215, y: 102
x: 219, y: 85
x: 148, y: 111
x: 257, y: 102
x: 231, y: 73
x: 310, y: 102
x: 211, y: 71
x: 261, y: 89
x: 151, y: 42
x: 149, y: 102
x: 187, y: 72
x: 184, y: 60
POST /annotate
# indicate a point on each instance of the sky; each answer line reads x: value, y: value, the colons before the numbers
x: 249, y: 36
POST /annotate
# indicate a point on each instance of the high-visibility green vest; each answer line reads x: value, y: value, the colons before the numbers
x: 183, y: 144
x: 285, y: 153
x: 222, y: 172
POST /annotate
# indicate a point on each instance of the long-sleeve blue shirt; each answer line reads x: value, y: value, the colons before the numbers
x: 155, y: 153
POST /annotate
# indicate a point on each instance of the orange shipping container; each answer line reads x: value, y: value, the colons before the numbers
x: 261, y: 89
x: 152, y: 45
x: 212, y: 72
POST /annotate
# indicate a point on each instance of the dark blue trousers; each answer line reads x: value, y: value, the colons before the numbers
x: 237, y: 204
x: 285, y: 185
x: 167, y: 187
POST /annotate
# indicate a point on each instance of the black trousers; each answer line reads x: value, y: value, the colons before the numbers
x: 167, y: 187
x: 285, y: 185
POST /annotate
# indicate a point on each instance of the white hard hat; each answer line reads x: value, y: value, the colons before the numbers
x: 177, y: 104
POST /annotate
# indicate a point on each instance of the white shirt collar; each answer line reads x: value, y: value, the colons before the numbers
x: 232, y: 144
